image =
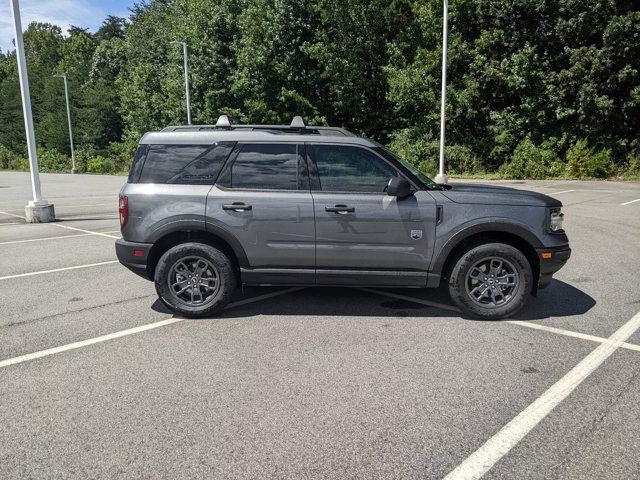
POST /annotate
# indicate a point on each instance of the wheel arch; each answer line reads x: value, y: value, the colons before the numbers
x: 218, y: 239
x: 510, y: 234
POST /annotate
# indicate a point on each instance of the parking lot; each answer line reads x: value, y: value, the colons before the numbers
x: 97, y: 379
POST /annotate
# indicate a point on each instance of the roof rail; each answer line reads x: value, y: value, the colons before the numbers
x: 297, y: 126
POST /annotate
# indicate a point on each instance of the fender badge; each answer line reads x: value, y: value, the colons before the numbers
x: 416, y: 234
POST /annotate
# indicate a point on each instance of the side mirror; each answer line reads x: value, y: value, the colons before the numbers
x: 399, y: 187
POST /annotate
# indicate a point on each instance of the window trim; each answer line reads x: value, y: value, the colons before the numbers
x: 314, y: 176
x: 233, y: 156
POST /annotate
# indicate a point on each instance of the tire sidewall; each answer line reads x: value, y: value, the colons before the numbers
x: 457, y: 281
x: 222, y: 263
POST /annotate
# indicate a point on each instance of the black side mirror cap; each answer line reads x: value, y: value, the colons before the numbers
x: 399, y: 187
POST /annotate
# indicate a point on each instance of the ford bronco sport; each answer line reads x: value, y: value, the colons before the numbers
x: 208, y: 208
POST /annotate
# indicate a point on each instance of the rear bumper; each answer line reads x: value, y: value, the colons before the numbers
x: 549, y: 266
x: 134, y: 255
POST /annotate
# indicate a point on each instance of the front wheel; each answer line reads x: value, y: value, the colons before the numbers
x: 195, y: 279
x: 491, y: 281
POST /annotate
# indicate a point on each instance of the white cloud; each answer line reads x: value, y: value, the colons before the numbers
x: 63, y: 13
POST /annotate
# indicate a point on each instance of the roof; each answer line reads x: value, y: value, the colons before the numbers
x: 209, y: 137
x: 223, y: 130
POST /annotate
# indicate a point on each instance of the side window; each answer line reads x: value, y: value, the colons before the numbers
x: 204, y: 169
x: 136, y: 165
x: 351, y: 169
x: 267, y: 167
x: 164, y: 162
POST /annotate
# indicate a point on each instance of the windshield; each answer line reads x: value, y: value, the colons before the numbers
x: 428, y: 183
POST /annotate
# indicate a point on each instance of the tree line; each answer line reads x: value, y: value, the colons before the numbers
x: 537, y: 88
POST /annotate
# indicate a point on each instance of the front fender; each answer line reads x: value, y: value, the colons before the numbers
x: 445, y: 245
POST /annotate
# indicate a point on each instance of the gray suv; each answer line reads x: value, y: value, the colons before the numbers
x: 208, y: 208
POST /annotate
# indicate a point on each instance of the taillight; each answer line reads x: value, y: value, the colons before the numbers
x: 123, y: 208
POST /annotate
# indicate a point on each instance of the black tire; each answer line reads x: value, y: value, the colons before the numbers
x: 481, y: 295
x: 219, y: 272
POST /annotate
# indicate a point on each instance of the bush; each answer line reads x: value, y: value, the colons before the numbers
x: 84, y: 155
x: 533, y: 162
x: 53, y: 161
x: 122, y: 154
x: 19, y: 163
x: 631, y: 167
x: 100, y: 164
x: 7, y: 158
x: 585, y: 162
x: 422, y: 152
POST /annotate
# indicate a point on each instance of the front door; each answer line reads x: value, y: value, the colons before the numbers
x: 262, y: 199
x: 363, y: 235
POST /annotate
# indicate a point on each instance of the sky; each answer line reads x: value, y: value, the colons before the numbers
x: 81, y: 13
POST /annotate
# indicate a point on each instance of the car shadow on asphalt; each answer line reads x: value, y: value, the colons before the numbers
x: 559, y: 299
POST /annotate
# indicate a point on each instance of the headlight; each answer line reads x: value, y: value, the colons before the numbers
x: 555, y: 220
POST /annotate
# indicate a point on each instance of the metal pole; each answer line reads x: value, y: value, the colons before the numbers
x: 26, y: 103
x: 38, y: 209
x: 442, y: 177
x: 186, y: 82
x: 66, y: 96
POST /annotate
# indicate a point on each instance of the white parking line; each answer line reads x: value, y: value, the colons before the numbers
x: 13, y: 215
x: 84, y: 343
x: 11, y: 223
x: 11, y: 242
x: 129, y: 331
x: 41, y: 272
x: 91, y: 232
x: 411, y: 299
x: 563, y: 191
x: 569, y: 333
x: 632, y: 201
x: 68, y: 227
x: 480, y: 461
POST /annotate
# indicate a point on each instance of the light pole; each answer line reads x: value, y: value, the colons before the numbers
x: 442, y: 177
x: 37, y: 210
x: 186, y: 79
x: 66, y: 96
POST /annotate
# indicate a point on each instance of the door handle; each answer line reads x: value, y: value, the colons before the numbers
x: 340, y: 209
x: 237, y: 206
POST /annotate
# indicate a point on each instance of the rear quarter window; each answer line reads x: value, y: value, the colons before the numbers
x: 136, y: 165
x: 184, y: 164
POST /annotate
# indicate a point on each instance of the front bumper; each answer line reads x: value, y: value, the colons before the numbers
x: 134, y: 255
x: 551, y: 260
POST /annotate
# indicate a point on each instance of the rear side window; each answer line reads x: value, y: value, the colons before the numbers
x: 184, y: 164
x: 267, y: 167
x: 136, y: 165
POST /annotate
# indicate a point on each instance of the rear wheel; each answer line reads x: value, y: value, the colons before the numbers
x: 491, y: 281
x: 195, y: 279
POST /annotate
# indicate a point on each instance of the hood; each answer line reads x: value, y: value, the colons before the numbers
x: 494, y: 195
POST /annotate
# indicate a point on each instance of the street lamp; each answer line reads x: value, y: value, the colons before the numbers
x: 186, y: 79
x: 66, y: 96
x: 441, y: 177
x: 37, y: 210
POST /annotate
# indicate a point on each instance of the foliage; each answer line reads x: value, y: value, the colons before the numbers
x: 585, y: 162
x: 528, y: 80
x: 53, y: 161
x: 100, y: 164
x: 534, y: 162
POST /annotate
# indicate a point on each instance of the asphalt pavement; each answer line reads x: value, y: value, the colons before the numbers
x: 98, y: 379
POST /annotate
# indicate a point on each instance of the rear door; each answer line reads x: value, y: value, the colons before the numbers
x: 364, y: 236
x: 262, y: 199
